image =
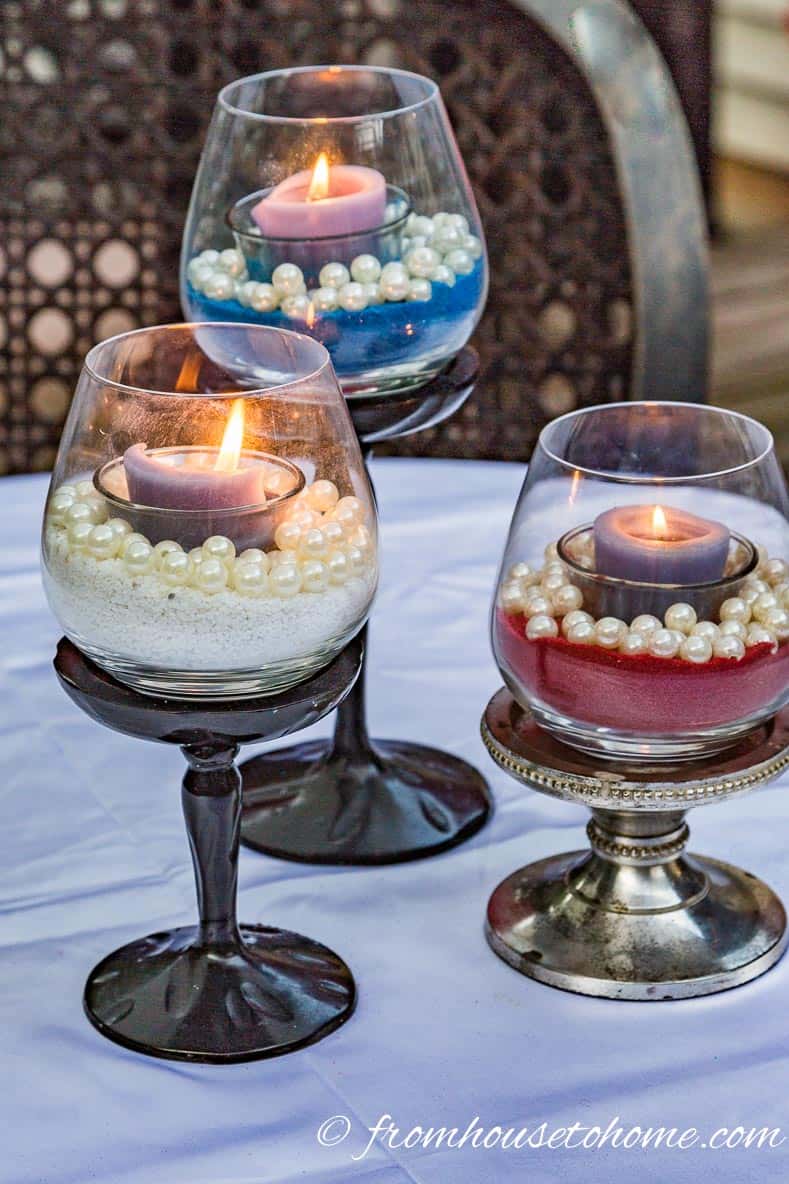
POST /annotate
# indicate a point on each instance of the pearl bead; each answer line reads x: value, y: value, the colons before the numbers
x: 209, y: 256
x: 422, y: 261
x: 681, y: 617
x: 139, y: 557
x: 472, y: 245
x: 83, y: 512
x: 59, y: 504
x: 196, y: 556
x: 349, y: 511
x: 777, y: 621
x: 706, y: 629
x: 176, y: 568
x: 279, y: 557
x: 524, y: 573
x: 165, y: 547
x: 357, y: 561
x: 196, y: 268
x: 202, y: 275
x: 781, y: 594
x: 646, y: 624
x: 219, y: 547
x: 296, y: 307
x: 264, y: 298
x: 85, y: 489
x: 322, y: 496
x: 394, y: 282
x: 728, y: 647
x: 761, y: 635
x: 132, y: 537
x: 220, y: 286
x: 333, y: 532
x: 511, y: 598
x: 232, y: 262
x: 696, y: 649
x: 552, y: 582
x: 352, y: 297
x: 324, y: 299
x: 419, y: 290
x: 211, y: 575
x: 567, y: 599
x: 287, y: 535
x: 285, y: 580
x: 250, y: 579
x: 416, y: 240
x: 735, y: 609
x: 314, y: 576
x: 760, y: 607
x: 753, y: 588
x: 460, y: 261
x: 582, y: 634
x: 634, y: 643
x: 338, y: 567
x: 537, y: 606
x: 576, y: 617
x: 610, y: 632
x: 420, y: 224
x: 541, y: 626
x: 443, y: 275
x: 776, y: 571
x: 551, y: 553
x: 313, y: 544
x: 365, y: 269
x: 373, y: 294
x: 733, y: 629
x: 664, y: 643
x: 103, y: 543
x: 334, y: 275
x: 458, y: 221
x: 255, y: 555
x: 79, y: 534
x: 305, y: 519
x: 447, y: 239
x: 288, y: 280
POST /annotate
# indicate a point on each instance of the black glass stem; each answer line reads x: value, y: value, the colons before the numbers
x: 354, y: 800
x: 216, y: 991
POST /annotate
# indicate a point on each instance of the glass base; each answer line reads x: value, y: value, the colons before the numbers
x: 389, y: 803
x: 626, y: 746
x: 181, y: 996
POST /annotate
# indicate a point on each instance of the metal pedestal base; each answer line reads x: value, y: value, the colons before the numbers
x: 264, y: 993
x: 634, y: 918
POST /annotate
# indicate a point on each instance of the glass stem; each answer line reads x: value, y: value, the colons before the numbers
x: 211, y: 800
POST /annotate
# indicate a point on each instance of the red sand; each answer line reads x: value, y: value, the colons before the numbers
x: 637, y: 691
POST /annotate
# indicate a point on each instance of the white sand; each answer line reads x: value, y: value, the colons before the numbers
x: 144, y: 620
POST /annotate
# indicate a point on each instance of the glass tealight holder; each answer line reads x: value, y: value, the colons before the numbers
x: 334, y: 200
x: 210, y: 530
x: 642, y: 607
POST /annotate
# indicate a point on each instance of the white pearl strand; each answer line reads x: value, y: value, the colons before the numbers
x: 323, y: 541
x: 552, y: 607
x: 435, y: 250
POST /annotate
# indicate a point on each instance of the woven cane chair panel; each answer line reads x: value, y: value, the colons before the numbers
x: 106, y: 103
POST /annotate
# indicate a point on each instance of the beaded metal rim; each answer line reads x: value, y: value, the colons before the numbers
x: 614, y: 790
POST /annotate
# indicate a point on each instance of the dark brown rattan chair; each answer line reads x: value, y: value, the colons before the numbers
x: 105, y: 103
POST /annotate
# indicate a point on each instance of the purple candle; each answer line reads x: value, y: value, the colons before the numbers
x: 329, y: 200
x: 659, y: 545
x: 187, y: 479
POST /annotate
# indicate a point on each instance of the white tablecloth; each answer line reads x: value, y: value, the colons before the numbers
x: 94, y: 854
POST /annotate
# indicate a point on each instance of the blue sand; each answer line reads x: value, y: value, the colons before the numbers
x: 381, y: 335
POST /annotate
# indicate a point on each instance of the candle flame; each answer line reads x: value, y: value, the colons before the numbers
x: 659, y: 523
x: 319, y: 182
x: 310, y: 316
x: 574, y: 487
x: 189, y: 372
x: 227, y: 461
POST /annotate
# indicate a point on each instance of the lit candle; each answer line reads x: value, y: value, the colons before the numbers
x: 229, y: 490
x: 322, y: 202
x: 657, y: 545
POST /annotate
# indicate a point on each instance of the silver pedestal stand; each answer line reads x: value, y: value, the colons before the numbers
x: 635, y: 917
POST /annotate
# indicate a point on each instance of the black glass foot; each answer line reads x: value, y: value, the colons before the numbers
x: 387, y: 803
x: 267, y: 993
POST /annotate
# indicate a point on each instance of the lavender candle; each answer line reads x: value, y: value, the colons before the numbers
x: 327, y: 201
x: 659, y: 545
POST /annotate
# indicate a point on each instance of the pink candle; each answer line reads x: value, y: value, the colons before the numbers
x: 328, y: 200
